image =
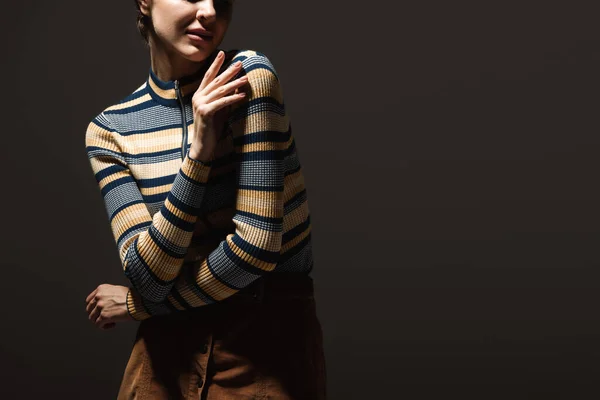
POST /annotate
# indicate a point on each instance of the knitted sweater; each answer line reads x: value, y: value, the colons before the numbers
x: 192, y: 233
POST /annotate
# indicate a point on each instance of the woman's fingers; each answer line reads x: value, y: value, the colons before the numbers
x: 225, y: 89
x: 218, y: 104
x: 91, y: 296
x: 213, y: 70
x: 89, y: 306
x: 95, y: 313
x: 225, y: 77
x: 102, y: 320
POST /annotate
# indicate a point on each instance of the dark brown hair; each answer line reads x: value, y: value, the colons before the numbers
x: 144, y: 24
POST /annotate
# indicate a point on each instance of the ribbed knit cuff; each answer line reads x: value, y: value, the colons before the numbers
x: 135, y: 308
x: 196, y: 169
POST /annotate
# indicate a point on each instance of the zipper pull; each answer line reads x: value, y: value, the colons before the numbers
x: 177, y: 88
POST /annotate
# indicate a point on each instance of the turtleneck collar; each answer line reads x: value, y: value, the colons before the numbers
x: 165, y: 92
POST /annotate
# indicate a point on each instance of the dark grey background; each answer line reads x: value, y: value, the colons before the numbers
x: 451, y: 156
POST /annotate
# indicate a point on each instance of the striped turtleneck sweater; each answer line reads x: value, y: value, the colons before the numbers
x: 191, y: 233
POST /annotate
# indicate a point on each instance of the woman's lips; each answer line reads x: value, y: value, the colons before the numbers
x: 199, y: 38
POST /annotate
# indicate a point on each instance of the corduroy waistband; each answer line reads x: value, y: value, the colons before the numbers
x: 276, y: 285
x: 271, y: 287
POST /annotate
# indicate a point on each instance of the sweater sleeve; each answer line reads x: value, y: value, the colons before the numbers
x: 262, y: 135
x: 151, y: 248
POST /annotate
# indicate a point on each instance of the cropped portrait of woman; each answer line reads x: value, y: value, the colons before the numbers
x: 205, y: 195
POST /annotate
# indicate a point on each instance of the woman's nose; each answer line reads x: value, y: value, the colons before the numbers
x: 206, y: 10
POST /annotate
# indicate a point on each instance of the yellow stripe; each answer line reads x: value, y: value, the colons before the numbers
x: 274, y: 245
x: 263, y: 146
x: 112, y: 177
x: 292, y: 185
x: 263, y: 239
x: 160, y: 140
x: 210, y: 285
x: 149, y: 171
x: 262, y: 82
x: 135, y: 307
x: 130, y: 216
x: 180, y: 214
x: 130, y: 103
x: 296, y: 217
x: 152, y: 254
x: 260, y: 202
x: 190, y: 297
x: 181, y: 237
x: 156, y: 190
x: 99, y: 137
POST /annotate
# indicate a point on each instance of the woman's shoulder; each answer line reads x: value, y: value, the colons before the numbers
x: 250, y: 59
x: 103, y: 116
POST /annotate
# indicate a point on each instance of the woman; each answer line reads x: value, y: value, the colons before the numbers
x: 206, y: 200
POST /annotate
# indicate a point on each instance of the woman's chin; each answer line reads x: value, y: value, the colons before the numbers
x: 195, y: 54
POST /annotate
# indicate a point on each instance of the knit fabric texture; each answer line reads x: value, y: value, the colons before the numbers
x: 191, y: 233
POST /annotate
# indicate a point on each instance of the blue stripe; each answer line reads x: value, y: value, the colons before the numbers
x: 154, y: 154
x: 109, y: 171
x: 158, y: 239
x: 155, y: 198
x: 133, y: 96
x: 182, y: 206
x: 138, y: 201
x: 175, y: 220
x: 295, y: 231
x: 262, y: 188
x: 268, y: 220
x: 217, y: 277
x: 295, y: 250
x: 256, y: 106
x: 147, y: 269
x: 256, y: 252
x: 154, y: 182
x: 103, y: 152
x: 255, y: 65
x: 241, y: 263
x: 134, y: 228
x: 133, y: 108
x: 191, y: 180
x: 291, y: 148
x: 293, y: 171
x: 117, y: 182
x: 297, y: 196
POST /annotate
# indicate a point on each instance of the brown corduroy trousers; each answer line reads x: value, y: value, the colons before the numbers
x: 265, y: 342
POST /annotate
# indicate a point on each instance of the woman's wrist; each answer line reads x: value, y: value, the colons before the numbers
x: 199, y: 155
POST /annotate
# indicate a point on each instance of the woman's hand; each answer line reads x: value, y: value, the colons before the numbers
x: 107, y: 305
x: 209, y: 105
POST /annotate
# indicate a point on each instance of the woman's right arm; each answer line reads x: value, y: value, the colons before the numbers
x: 151, y: 249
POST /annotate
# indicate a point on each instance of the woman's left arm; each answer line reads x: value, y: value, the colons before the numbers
x: 262, y: 137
